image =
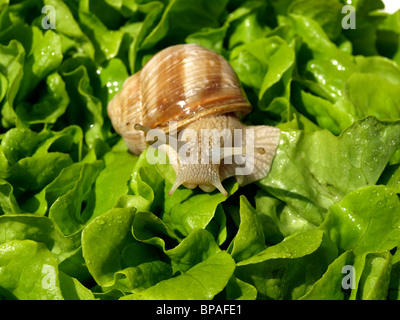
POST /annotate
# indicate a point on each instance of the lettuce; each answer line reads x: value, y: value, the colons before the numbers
x: 365, y: 228
x: 313, y: 171
x: 81, y: 218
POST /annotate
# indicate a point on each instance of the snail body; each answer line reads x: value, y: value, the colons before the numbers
x: 198, y: 91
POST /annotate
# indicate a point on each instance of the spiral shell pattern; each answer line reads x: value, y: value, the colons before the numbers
x: 181, y: 83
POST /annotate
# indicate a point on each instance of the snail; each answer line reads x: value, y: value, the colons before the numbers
x: 197, y: 90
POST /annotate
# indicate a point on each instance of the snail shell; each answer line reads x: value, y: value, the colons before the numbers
x: 198, y: 89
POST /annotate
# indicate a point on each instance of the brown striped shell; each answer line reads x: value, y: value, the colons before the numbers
x: 181, y: 83
x: 199, y: 90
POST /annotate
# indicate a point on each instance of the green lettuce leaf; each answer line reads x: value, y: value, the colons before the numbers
x: 201, y: 282
x: 363, y: 37
x: 72, y: 289
x: 39, y: 229
x: 266, y: 65
x: 368, y: 220
x: 247, y: 23
x: 388, y: 34
x: 66, y: 208
x: 391, y: 177
x: 195, y: 248
x: 106, y: 42
x: 176, y: 20
x: 326, y: 13
x: 30, y: 161
x: 43, y: 111
x: 84, y: 109
x: 150, y: 229
x: 113, y: 229
x: 375, y: 278
x: 73, y: 40
x: 11, y: 63
x: 364, y: 241
x: 31, y: 264
x: 32, y: 269
x: 8, y: 201
x: 112, y: 182
x: 288, y: 270
x: 329, y: 286
x: 249, y: 239
x: 45, y: 56
x: 237, y: 289
x: 393, y: 290
x: 312, y: 171
x: 384, y: 104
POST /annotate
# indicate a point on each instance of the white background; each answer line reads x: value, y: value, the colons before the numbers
x: 391, y: 6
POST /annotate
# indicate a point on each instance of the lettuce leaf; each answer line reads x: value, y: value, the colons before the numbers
x: 30, y: 263
x: 249, y: 239
x: 312, y: 171
x: 201, y: 282
x: 365, y: 242
x: 360, y: 216
x: 288, y: 270
x: 35, y: 275
x: 12, y: 57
